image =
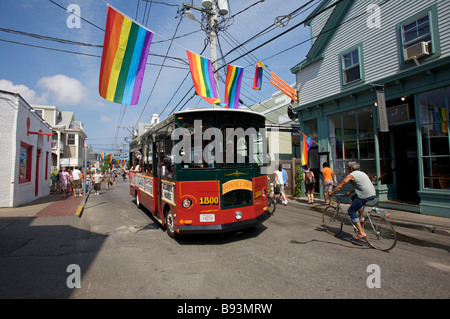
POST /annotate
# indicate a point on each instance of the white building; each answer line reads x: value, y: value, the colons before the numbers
x: 25, y: 141
x: 68, y: 136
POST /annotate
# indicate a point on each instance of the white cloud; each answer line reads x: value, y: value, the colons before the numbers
x: 65, y: 90
x: 28, y: 94
x: 105, y: 119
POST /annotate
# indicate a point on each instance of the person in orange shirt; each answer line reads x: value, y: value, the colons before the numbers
x: 327, y: 182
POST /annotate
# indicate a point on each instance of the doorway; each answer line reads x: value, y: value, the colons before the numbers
x: 406, y: 162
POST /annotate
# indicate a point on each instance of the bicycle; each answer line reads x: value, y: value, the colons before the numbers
x: 271, y: 201
x: 381, y: 234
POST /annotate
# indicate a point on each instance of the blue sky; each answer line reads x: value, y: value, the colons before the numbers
x: 70, y: 81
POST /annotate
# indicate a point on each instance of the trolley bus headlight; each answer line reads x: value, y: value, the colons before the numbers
x: 186, y: 203
x: 238, y: 215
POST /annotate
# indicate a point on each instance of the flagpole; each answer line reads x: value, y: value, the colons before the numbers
x: 311, y: 139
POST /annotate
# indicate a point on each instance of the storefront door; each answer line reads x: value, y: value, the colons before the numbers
x: 406, y: 162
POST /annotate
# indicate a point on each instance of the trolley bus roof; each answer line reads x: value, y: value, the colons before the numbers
x: 193, y: 110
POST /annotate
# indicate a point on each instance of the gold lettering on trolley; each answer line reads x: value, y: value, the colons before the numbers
x: 236, y: 184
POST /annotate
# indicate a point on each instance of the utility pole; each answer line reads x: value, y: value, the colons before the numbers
x: 212, y: 40
x: 211, y: 12
x: 127, y: 128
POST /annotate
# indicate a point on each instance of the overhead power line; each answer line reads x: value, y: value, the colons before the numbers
x: 283, y: 33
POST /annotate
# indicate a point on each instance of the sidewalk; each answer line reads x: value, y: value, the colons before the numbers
x: 53, y: 205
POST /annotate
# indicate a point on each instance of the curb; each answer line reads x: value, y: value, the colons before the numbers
x: 80, y: 208
x: 427, y: 228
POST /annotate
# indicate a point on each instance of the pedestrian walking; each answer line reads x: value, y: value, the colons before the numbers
x: 310, y: 182
x: 88, y: 183
x: 108, y: 180
x: 327, y: 182
x: 281, y: 182
x: 76, y: 175
x: 63, y: 181
x: 69, y: 182
x: 97, y: 178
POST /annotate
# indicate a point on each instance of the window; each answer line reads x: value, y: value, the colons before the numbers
x: 422, y: 27
x: 25, y: 163
x: 351, y: 65
x: 434, y: 122
x: 352, y: 138
x: 70, y: 139
x: 416, y: 31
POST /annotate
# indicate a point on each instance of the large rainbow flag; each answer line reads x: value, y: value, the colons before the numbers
x: 233, y: 86
x: 125, y: 51
x: 257, y: 80
x: 203, y: 77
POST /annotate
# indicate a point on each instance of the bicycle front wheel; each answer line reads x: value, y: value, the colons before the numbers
x: 271, y: 205
x: 332, y: 220
x: 380, y: 233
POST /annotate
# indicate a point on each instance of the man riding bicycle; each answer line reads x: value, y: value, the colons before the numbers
x: 365, y: 192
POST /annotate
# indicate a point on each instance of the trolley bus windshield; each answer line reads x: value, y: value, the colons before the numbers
x: 222, y: 140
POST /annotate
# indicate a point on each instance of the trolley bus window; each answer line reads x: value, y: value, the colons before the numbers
x: 203, y: 156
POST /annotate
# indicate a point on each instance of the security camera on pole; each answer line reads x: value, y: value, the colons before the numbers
x: 210, y: 10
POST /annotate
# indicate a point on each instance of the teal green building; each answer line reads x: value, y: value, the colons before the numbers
x: 375, y: 88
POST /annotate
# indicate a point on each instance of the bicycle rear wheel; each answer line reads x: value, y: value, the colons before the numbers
x: 380, y: 233
x: 332, y: 220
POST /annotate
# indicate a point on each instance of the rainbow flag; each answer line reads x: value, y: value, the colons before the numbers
x: 257, y: 80
x: 233, y: 86
x: 203, y: 77
x: 306, y: 145
x: 103, y: 155
x: 125, y: 51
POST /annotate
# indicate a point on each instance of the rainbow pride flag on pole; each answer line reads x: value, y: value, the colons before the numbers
x: 233, y: 86
x: 306, y: 145
x: 125, y: 51
x: 257, y: 80
x: 203, y: 77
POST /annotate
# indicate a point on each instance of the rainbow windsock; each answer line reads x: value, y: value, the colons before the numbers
x: 125, y: 51
x: 233, y: 86
x: 257, y: 80
x: 203, y: 77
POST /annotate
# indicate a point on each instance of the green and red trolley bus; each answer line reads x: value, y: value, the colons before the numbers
x: 203, y: 171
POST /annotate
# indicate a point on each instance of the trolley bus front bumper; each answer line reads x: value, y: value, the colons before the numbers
x: 223, y: 228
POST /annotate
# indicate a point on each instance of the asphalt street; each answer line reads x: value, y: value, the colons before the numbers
x: 120, y: 251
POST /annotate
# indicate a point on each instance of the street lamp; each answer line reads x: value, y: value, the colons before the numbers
x: 188, y: 14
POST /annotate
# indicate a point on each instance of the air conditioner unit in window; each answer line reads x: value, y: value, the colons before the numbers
x: 417, y: 51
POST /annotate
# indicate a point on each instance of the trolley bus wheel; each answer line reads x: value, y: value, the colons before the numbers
x: 170, y: 224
